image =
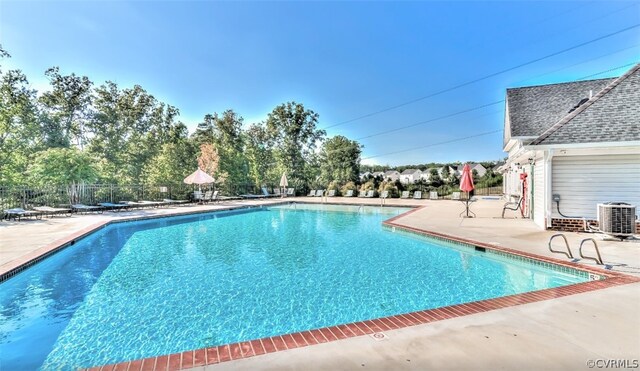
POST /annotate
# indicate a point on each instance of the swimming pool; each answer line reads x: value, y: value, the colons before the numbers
x: 146, y: 288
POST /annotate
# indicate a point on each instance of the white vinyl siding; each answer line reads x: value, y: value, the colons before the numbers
x: 585, y: 181
x: 538, y: 192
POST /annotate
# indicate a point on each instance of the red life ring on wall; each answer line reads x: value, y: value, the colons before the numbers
x: 523, y: 207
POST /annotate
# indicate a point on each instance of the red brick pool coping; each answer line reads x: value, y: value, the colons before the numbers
x: 246, y: 349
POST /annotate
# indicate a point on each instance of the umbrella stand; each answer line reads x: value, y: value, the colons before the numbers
x: 467, y: 211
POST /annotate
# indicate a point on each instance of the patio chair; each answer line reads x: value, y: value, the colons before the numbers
x: 197, y: 196
x: 291, y: 192
x: 18, y: 213
x: 207, y: 197
x: 369, y: 194
x: 266, y: 193
x: 320, y: 193
x: 331, y: 193
x: 276, y: 192
x: 384, y: 194
x: 51, y: 211
x: 514, y: 206
x: 349, y: 193
x: 80, y: 208
x: 433, y: 195
x: 312, y: 193
x: 405, y: 194
x: 455, y: 196
x: 112, y: 206
x: 417, y: 195
x: 361, y: 194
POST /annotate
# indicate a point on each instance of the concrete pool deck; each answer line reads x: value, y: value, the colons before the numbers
x: 563, y: 333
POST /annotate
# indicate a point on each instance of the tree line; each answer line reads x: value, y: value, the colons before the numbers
x: 78, y: 131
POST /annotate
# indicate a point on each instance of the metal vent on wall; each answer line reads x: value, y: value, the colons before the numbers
x: 617, y: 219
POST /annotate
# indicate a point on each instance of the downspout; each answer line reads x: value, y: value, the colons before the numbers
x: 548, y: 192
x: 533, y: 188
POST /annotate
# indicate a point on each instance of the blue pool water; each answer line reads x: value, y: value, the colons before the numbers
x: 139, y: 289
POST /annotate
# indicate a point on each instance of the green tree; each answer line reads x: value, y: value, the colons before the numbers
x: 67, y: 105
x: 340, y: 160
x: 292, y: 128
x: 228, y: 139
x: 259, y: 154
x: 62, y: 166
x: 19, y: 131
x: 434, y: 178
x: 172, y: 163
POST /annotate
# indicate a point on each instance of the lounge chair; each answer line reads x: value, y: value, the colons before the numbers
x: 276, y: 192
x: 266, y: 193
x: 197, y: 196
x: 417, y: 195
x: 312, y: 193
x: 384, y: 194
x: 331, y: 193
x: 455, y: 196
x: 51, y: 211
x: 361, y: 194
x: 433, y: 195
x: 349, y: 193
x: 18, y: 213
x: 152, y: 203
x: 252, y: 196
x: 169, y: 201
x: 369, y: 194
x: 405, y: 194
x: 291, y: 192
x: 320, y: 193
x: 80, y: 208
x: 113, y: 207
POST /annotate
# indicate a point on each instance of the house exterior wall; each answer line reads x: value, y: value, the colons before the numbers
x: 583, y: 181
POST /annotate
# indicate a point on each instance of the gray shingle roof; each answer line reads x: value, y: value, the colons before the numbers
x: 409, y: 171
x: 534, y: 109
x: 612, y: 115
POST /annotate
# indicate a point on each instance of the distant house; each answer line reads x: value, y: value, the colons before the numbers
x: 378, y: 174
x: 452, y: 170
x: 410, y: 176
x: 481, y: 170
x: 578, y: 140
x: 391, y: 175
x: 365, y: 175
x: 426, y: 175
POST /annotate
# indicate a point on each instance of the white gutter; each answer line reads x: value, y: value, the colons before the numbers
x: 631, y: 144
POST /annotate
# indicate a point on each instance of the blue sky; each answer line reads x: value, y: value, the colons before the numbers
x: 340, y: 59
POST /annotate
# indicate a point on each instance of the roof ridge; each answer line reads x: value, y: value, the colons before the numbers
x: 571, y: 115
x: 561, y: 83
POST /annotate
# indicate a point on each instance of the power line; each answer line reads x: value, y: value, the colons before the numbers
x: 609, y: 70
x: 455, y: 87
x: 575, y: 64
x: 435, y: 144
x: 453, y: 114
x: 431, y: 120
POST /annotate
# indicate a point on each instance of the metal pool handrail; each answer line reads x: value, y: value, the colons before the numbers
x: 597, y: 259
x: 568, y: 253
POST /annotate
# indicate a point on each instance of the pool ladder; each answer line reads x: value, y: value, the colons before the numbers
x: 597, y: 258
